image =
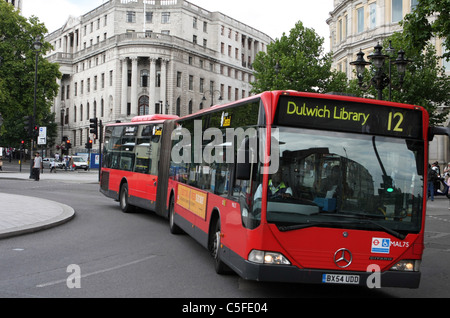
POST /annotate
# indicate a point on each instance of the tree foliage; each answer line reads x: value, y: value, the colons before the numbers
x: 425, y: 83
x: 17, y: 72
x: 431, y: 18
x: 297, y: 62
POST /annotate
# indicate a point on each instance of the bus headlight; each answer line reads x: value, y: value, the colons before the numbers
x: 264, y: 257
x: 406, y: 265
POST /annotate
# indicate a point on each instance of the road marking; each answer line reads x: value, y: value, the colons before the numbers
x: 60, y: 281
x: 438, y: 218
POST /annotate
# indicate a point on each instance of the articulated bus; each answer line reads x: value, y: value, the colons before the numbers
x: 285, y: 186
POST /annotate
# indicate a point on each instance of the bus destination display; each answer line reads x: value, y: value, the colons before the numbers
x: 348, y: 116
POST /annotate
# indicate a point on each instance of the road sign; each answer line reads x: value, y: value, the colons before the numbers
x: 42, y: 138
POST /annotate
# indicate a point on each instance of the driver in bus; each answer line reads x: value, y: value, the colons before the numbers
x: 276, y: 188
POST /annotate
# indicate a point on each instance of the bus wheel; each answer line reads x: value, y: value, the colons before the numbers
x: 123, y: 199
x: 214, y: 247
x: 174, y: 229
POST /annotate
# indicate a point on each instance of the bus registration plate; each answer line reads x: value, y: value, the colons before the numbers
x: 340, y: 279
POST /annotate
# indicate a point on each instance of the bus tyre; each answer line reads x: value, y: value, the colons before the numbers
x: 214, y: 249
x: 123, y: 199
x: 174, y: 229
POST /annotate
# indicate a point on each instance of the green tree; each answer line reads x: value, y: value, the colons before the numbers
x: 431, y: 18
x: 425, y: 82
x: 17, y: 70
x: 297, y: 62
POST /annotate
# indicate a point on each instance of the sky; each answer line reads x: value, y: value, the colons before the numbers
x: 269, y: 16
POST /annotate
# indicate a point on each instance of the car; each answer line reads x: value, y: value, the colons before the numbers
x: 80, y: 163
x: 47, y: 163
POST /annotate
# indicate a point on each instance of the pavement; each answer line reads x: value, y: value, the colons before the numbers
x: 24, y: 214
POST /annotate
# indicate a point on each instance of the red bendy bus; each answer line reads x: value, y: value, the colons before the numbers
x: 350, y: 206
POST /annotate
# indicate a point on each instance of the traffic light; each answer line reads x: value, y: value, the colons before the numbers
x: 35, y: 131
x: 27, y: 121
x: 68, y: 144
x: 94, y: 127
x: 89, y: 144
x: 22, y: 145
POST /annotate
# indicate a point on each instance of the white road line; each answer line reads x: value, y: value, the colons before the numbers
x: 97, y: 272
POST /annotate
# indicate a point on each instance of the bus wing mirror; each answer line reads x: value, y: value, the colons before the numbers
x: 433, y: 131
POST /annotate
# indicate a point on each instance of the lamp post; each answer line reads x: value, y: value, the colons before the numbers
x: 212, y: 96
x: 37, y: 45
x: 380, y: 80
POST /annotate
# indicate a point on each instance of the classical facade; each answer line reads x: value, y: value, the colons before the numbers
x: 138, y: 57
x: 359, y: 25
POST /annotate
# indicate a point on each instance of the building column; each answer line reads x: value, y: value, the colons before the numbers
x: 124, y: 100
x: 163, y: 92
x: 134, y: 86
x: 152, y: 97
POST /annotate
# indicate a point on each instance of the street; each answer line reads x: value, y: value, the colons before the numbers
x: 135, y: 256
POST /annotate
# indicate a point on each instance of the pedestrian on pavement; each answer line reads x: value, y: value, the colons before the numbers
x: 53, y: 166
x: 37, y: 166
x: 431, y: 180
x: 71, y: 164
x: 1, y: 164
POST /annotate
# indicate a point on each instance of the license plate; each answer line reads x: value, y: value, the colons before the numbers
x: 340, y: 279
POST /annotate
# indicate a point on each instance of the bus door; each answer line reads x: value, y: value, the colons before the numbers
x: 147, y: 160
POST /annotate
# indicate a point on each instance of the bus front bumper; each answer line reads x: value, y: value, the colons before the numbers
x: 292, y: 274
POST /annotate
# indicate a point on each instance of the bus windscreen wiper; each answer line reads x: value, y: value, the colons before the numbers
x: 286, y: 228
x: 398, y: 235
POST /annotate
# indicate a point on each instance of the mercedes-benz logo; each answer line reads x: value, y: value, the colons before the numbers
x: 343, y: 258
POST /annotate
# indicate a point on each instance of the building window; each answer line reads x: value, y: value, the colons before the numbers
x: 360, y: 21
x: 191, y: 82
x: 131, y: 17
x: 165, y: 17
x: 143, y: 105
x: 202, y: 83
x: 178, y: 79
x: 144, y: 78
x: 373, y: 15
x: 445, y: 63
x: 149, y: 17
x: 397, y: 10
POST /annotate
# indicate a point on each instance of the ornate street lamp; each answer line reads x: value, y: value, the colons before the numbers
x: 380, y: 80
x: 212, y: 96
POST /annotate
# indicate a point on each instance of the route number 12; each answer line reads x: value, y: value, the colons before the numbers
x: 397, y: 118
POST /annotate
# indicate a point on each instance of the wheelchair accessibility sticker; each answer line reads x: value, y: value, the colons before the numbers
x: 381, y: 245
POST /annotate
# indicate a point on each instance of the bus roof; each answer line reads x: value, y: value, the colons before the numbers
x: 153, y: 118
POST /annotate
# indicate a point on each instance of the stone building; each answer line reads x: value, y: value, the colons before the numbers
x: 16, y: 3
x: 359, y: 25
x: 138, y: 57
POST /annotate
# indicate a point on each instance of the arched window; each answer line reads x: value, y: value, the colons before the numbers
x: 143, y: 106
